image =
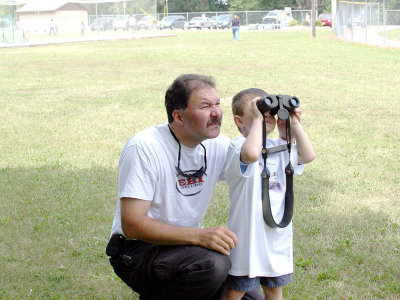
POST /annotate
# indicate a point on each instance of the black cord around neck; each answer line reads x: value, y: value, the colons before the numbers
x: 289, y: 195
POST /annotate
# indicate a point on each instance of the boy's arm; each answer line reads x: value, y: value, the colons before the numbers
x: 251, y: 148
x: 304, y: 148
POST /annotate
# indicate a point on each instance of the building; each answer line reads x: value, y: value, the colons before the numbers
x: 37, y: 15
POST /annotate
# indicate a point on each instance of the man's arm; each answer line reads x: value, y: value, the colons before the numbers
x: 136, y: 224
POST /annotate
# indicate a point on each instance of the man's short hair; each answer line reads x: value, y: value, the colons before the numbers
x: 242, y: 97
x: 178, y: 93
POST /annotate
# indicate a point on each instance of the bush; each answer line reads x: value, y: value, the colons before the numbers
x: 306, y: 23
x: 318, y: 23
x: 293, y: 22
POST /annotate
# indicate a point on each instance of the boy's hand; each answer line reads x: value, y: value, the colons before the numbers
x: 255, y: 111
x: 295, y: 118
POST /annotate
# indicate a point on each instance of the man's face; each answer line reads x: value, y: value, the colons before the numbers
x: 203, y: 116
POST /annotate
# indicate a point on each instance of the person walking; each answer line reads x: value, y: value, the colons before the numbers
x: 52, y: 27
x: 235, y: 25
x: 83, y: 27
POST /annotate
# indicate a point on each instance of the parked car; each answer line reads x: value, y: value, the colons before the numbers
x: 277, y: 18
x: 288, y: 16
x: 223, y: 21
x: 146, y: 22
x: 5, y: 23
x: 102, y: 23
x: 172, y: 22
x: 121, y: 22
x: 356, y: 21
x: 200, y: 23
x: 132, y: 22
x: 214, y: 20
x: 326, y: 19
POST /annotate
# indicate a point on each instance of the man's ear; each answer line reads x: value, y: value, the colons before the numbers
x: 177, y: 115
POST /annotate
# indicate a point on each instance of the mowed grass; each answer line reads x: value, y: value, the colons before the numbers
x: 67, y: 111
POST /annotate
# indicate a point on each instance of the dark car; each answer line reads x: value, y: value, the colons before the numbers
x: 224, y: 21
x: 326, y: 19
x: 146, y: 22
x: 172, y: 22
x: 214, y: 20
x: 103, y: 23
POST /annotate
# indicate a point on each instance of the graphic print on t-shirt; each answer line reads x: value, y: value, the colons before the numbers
x: 190, y: 186
x: 274, y: 182
x: 274, y: 176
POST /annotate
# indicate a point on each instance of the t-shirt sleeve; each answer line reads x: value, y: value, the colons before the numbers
x: 136, y: 174
x: 223, y: 149
x: 233, y: 164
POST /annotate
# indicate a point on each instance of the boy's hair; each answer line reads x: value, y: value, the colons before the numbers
x: 178, y: 94
x: 241, y: 98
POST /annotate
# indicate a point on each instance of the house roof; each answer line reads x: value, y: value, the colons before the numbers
x: 44, y: 5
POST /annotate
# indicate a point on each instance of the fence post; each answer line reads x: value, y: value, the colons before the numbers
x: 384, y: 23
x: 313, y: 18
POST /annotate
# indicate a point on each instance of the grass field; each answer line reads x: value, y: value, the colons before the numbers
x: 67, y: 111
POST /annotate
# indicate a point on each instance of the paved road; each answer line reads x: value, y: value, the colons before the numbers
x: 92, y: 38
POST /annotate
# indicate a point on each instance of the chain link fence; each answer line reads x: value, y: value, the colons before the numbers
x: 36, y: 25
x: 366, y: 22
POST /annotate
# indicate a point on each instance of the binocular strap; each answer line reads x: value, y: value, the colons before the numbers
x: 289, y: 171
x: 289, y: 201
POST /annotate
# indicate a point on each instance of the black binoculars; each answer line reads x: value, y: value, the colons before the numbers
x: 278, y: 104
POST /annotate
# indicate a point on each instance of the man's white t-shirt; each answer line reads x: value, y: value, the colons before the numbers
x: 262, y: 251
x: 147, y: 171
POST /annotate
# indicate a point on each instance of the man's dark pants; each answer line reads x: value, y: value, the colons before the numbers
x: 169, y: 272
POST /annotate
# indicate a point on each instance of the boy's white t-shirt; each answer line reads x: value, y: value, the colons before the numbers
x: 147, y: 171
x: 262, y: 251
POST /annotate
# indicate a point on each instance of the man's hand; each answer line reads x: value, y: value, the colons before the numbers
x: 137, y: 225
x: 219, y: 239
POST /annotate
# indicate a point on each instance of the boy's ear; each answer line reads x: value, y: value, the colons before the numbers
x: 238, y: 121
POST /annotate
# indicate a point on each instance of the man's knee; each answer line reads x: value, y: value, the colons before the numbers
x: 214, y: 265
x: 221, y: 264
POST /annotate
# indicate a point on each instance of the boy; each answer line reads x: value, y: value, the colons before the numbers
x: 264, y: 255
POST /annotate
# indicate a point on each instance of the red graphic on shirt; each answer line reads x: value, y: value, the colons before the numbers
x: 190, y: 186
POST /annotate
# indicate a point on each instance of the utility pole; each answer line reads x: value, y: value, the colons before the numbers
x: 313, y: 17
x: 333, y: 12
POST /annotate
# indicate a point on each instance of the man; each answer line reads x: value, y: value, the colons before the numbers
x: 167, y: 174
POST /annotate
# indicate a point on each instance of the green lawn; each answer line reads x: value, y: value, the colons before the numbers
x: 67, y: 111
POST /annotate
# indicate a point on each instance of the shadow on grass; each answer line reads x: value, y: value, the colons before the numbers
x: 55, y: 225
x: 342, y: 247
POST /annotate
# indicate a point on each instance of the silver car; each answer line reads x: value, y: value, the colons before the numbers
x: 200, y: 23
